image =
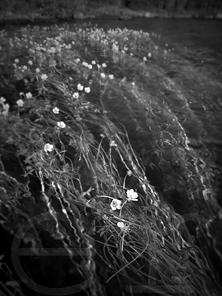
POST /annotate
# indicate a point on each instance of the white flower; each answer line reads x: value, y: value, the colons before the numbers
x: 90, y: 66
x: 20, y: 102
x: 87, y: 89
x: 98, y: 66
x: 85, y: 64
x: 25, y: 67
x: 75, y: 95
x: 52, y: 49
x: 37, y: 70
x: 115, y: 204
x: 79, y: 87
x: 113, y: 144
x: 28, y: 95
x: 44, y: 76
x: 55, y: 110
x: 129, y: 173
x: 16, y: 61
x: 61, y: 124
x: 77, y: 60
x: 48, y: 147
x: 149, y: 55
x: 2, y: 100
x: 145, y: 59
x: 103, y: 75
x: 121, y: 225
x: 132, y: 195
x: 30, y: 63
x: 104, y: 65
x: 115, y: 47
x: 93, y: 62
x: 111, y: 76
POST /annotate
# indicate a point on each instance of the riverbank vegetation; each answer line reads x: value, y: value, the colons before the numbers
x: 83, y: 141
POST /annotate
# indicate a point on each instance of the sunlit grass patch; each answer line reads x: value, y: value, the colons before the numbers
x: 79, y: 158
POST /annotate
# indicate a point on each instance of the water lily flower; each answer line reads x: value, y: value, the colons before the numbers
x: 115, y: 204
x: 145, y: 59
x: 55, y: 110
x: 111, y: 76
x: 132, y: 195
x: 93, y: 62
x: 30, y: 62
x: 28, y: 95
x: 104, y: 65
x: 44, y: 76
x: 149, y: 55
x: 103, y: 75
x: 16, y: 61
x: 75, y: 95
x: 90, y: 66
x: 87, y: 89
x: 61, y: 124
x: 80, y: 86
x: 37, y: 70
x: 48, y: 148
x: 20, y: 102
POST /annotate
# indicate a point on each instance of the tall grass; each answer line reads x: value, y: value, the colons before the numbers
x: 74, y: 160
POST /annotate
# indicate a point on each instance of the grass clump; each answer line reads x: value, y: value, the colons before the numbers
x: 68, y: 115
